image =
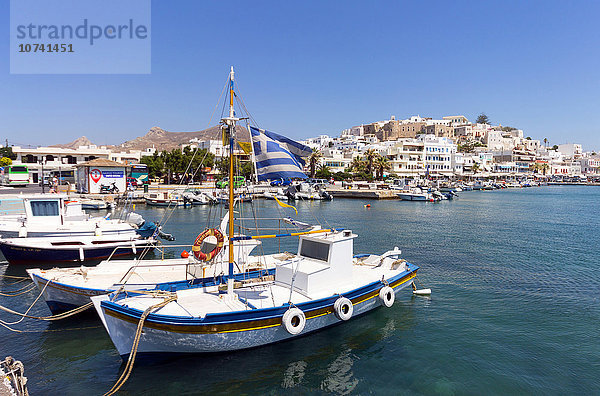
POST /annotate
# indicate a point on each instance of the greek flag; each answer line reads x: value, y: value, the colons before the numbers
x: 277, y: 156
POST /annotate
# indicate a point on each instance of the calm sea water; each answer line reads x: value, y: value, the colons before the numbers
x: 515, y: 309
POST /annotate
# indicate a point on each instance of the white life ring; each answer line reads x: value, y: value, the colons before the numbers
x: 294, y: 321
x: 343, y: 308
x: 387, y: 296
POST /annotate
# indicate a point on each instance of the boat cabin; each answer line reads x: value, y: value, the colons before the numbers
x: 52, y: 210
x: 321, y: 259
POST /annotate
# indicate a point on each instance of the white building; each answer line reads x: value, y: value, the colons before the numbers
x: 406, y: 158
x: 212, y: 146
x: 437, y: 154
x: 571, y: 150
x: 92, y: 175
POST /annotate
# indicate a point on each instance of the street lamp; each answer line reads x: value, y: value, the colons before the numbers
x: 42, y: 161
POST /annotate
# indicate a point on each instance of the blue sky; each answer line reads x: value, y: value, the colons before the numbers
x: 309, y: 68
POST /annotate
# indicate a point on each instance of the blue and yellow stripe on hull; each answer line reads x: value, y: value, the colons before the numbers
x: 255, y: 319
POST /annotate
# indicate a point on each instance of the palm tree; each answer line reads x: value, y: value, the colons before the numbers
x: 356, y: 165
x: 545, y: 167
x: 475, y: 168
x: 382, y: 164
x: 370, y: 156
x: 313, y: 159
x: 546, y: 142
x: 535, y: 167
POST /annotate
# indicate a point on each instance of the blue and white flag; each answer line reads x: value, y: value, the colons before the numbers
x: 277, y: 156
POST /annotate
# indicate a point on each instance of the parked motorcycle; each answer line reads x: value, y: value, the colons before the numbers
x: 110, y: 189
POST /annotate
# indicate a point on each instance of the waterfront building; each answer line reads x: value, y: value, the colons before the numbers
x: 65, y: 159
x: 55, y: 158
x: 590, y: 165
x: 406, y: 158
x: 91, y: 175
x: 457, y: 163
x: 335, y: 159
x: 437, y: 154
x: 571, y: 150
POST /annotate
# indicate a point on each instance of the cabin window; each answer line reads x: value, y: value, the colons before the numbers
x: 44, y: 208
x: 315, y: 250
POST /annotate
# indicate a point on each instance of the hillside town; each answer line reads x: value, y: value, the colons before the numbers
x: 450, y: 147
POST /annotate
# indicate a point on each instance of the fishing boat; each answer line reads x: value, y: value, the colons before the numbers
x: 307, y: 192
x: 58, y: 215
x: 64, y: 289
x: 324, y: 284
x: 95, y: 204
x: 165, y: 198
x: 223, y: 197
x: 414, y: 194
x: 71, y: 248
x: 482, y: 185
x: 275, y: 194
x: 197, y: 197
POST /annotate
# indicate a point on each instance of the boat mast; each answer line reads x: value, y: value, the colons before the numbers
x: 230, y: 121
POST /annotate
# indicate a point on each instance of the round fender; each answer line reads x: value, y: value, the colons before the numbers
x: 343, y: 308
x: 294, y: 321
x: 198, y: 243
x: 387, y: 296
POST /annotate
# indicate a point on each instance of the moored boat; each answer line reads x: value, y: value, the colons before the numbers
x: 72, y: 248
x: 53, y: 215
x: 322, y: 285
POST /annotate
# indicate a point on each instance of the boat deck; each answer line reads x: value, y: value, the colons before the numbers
x: 197, y: 302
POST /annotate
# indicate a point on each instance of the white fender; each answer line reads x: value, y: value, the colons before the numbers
x: 387, y: 296
x: 343, y: 308
x: 294, y: 321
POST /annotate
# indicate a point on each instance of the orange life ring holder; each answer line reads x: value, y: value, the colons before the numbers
x: 198, y: 242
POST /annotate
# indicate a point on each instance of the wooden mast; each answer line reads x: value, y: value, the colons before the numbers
x: 231, y: 125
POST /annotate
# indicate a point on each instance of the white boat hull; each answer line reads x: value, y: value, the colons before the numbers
x: 159, y: 341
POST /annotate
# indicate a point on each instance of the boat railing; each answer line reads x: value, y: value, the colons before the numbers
x: 156, y: 245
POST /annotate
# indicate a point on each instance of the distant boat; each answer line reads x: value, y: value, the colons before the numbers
x: 278, y: 193
x: 197, y: 197
x: 95, y: 204
x: 414, y: 194
x: 165, y: 198
x: 482, y: 185
x: 308, y: 192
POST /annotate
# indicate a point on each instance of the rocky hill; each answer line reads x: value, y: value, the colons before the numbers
x: 82, y: 141
x: 164, y: 140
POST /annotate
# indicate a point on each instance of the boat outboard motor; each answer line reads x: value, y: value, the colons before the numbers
x: 148, y: 229
x: 291, y: 191
x: 325, y: 195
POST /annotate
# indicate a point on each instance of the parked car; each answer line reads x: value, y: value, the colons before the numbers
x: 132, y: 181
x: 318, y: 181
x: 281, y: 182
x: 238, y: 181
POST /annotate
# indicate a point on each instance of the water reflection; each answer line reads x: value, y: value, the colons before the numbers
x: 294, y: 374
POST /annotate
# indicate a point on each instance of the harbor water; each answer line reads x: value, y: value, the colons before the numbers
x: 515, y: 309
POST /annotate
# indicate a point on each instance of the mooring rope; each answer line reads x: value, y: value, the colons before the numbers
x: 18, y: 292
x: 129, y: 366
x: 59, y: 316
